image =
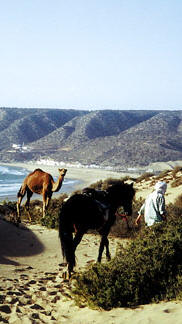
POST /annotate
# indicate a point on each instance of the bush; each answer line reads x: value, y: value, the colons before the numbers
x: 177, y: 182
x: 178, y: 202
x: 176, y: 170
x: 145, y: 176
x: 52, y: 213
x: 148, y: 269
x: 51, y: 219
x: 103, y: 185
x: 120, y: 229
x: 162, y: 174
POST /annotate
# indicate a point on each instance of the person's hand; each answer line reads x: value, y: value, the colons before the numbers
x: 137, y: 221
x: 164, y: 217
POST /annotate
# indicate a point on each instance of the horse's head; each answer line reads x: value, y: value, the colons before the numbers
x: 122, y: 194
x: 128, y: 199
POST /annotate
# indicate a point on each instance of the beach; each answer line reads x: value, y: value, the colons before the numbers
x: 85, y: 176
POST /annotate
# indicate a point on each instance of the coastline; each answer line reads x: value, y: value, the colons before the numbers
x: 85, y: 176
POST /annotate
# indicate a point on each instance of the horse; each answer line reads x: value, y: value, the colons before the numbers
x: 91, y: 209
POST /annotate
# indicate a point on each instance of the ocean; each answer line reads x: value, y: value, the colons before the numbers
x: 11, y: 179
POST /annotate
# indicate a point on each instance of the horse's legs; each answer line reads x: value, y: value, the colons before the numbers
x: 108, y: 255
x: 104, y: 242
x: 127, y: 223
x: 68, y: 249
x: 70, y: 265
x: 77, y: 239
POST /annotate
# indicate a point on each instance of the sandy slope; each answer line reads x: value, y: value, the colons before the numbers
x: 32, y: 289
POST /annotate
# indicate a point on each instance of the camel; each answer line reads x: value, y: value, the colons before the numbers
x: 41, y: 183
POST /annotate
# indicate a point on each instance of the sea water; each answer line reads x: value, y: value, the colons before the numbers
x: 11, y: 179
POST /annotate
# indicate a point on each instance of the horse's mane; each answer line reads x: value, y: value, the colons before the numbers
x: 100, y: 195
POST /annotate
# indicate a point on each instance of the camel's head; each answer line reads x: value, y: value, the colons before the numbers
x: 62, y: 171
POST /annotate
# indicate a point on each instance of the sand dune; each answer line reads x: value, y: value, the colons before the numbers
x: 32, y: 289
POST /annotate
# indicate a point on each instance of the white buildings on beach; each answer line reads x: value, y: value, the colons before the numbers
x: 21, y: 147
x: 76, y: 164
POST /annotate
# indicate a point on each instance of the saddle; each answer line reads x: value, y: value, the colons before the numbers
x: 100, y: 197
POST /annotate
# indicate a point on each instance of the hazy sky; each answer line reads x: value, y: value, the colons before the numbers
x: 91, y: 54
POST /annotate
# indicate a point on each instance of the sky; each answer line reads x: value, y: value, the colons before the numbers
x: 91, y: 54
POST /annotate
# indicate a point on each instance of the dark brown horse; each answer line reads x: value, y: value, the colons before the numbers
x: 92, y: 210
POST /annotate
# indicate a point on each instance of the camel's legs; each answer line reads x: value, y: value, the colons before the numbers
x: 18, y: 209
x: 21, y: 194
x: 46, y: 201
x: 44, y: 197
x: 27, y: 204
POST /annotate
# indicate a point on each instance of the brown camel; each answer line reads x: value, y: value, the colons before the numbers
x: 41, y: 183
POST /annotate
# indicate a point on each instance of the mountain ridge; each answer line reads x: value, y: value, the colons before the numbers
x: 104, y: 137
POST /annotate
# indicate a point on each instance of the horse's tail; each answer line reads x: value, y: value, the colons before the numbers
x: 66, y: 237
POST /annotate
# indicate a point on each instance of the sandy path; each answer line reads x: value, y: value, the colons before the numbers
x: 32, y: 289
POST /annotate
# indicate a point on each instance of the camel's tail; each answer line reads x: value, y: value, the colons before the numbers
x: 66, y: 237
x: 20, y: 193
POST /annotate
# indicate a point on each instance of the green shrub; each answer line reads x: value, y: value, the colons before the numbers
x: 103, y: 185
x: 52, y: 213
x: 51, y: 219
x: 120, y: 229
x: 148, y: 269
x: 174, y: 211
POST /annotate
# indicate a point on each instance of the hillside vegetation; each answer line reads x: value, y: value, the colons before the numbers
x: 107, y: 137
x: 147, y: 268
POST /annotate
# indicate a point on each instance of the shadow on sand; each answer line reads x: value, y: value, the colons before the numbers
x: 17, y: 242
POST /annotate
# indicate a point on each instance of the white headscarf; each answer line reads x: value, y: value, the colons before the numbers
x: 160, y: 187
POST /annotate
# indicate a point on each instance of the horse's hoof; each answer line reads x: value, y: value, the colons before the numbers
x: 17, y: 222
x: 66, y: 276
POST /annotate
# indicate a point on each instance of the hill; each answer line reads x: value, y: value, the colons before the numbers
x: 32, y: 291
x: 107, y: 137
